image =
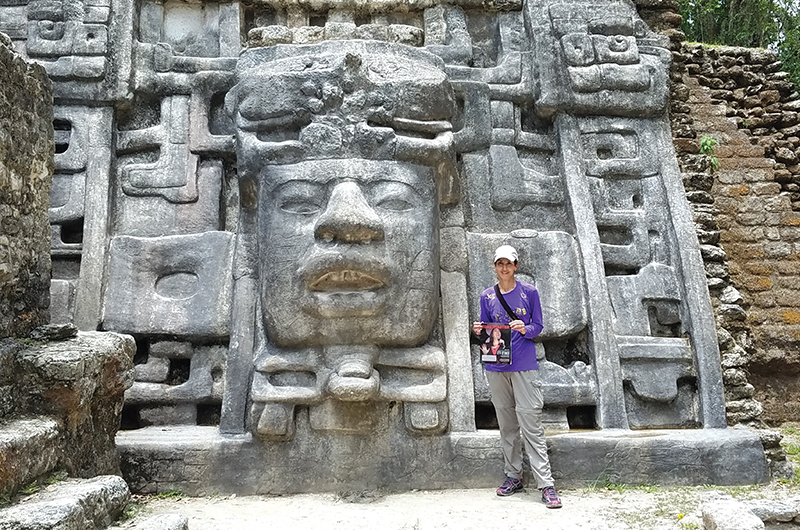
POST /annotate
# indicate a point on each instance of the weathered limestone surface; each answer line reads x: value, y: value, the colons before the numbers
x: 166, y: 521
x: 26, y: 171
x: 728, y: 514
x: 62, y: 406
x: 30, y: 448
x: 200, y: 461
x: 772, y: 511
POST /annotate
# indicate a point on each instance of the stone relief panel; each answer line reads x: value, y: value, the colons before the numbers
x: 638, y: 249
x: 71, y: 38
x: 82, y: 164
x: 169, y: 285
x: 176, y: 383
x: 273, y: 227
x: 604, y: 59
x: 190, y: 29
x: 164, y: 173
x: 66, y: 214
x: 73, y: 41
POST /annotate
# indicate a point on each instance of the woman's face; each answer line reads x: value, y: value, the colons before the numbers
x: 496, y: 333
x: 505, y: 269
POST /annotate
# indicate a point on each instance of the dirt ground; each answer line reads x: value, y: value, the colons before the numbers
x: 602, y: 508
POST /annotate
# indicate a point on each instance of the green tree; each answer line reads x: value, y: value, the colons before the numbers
x: 700, y: 19
x: 751, y: 23
x: 771, y: 24
x: 789, y: 42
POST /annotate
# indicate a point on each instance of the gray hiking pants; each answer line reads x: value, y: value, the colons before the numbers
x: 517, y: 400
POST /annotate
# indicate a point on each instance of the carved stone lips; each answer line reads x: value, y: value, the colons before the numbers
x: 345, y: 280
x: 342, y: 271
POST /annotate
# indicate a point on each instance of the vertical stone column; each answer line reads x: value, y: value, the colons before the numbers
x: 610, y: 401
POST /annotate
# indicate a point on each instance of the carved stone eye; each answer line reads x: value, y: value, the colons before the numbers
x: 394, y: 196
x: 302, y: 207
x: 300, y: 197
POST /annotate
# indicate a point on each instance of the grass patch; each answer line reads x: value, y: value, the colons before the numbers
x: 131, y: 511
x: 606, y: 482
x: 792, y: 449
x: 37, y: 485
x: 171, y: 494
x: 31, y: 488
x: 54, y: 478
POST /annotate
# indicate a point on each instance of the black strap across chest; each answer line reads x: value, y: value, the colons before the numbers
x: 504, y: 303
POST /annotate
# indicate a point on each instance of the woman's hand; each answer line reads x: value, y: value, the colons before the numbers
x: 518, y: 325
x: 477, y: 327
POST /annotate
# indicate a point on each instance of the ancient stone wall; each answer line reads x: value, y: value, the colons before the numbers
x: 298, y: 234
x: 26, y: 169
x: 746, y: 202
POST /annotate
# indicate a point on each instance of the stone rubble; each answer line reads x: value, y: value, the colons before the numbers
x: 771, y: 511
x: 68, y: 396
x: 728, y: 514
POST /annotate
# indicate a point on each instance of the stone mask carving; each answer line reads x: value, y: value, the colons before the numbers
x: 353, y: 255
x: 349, y: 147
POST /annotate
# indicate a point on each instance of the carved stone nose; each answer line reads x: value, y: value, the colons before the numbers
x: 348, y: 217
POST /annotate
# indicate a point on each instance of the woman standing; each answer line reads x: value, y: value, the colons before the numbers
x: 516, y: 387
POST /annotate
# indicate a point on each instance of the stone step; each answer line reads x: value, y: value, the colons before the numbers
x: 29, y: 449
x: 74, y: 504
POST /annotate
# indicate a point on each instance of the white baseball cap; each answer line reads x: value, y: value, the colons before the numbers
x: 505, y: 251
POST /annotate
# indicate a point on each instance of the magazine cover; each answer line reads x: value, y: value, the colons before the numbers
x: 495, y: 342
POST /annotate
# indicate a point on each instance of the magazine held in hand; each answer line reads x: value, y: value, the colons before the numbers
x: 495, y: 342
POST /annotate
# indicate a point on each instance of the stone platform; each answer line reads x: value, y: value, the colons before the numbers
x: 199, y: 461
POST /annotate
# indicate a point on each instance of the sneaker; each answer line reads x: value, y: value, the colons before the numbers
x: 510, y: 487
x: 549, y: 497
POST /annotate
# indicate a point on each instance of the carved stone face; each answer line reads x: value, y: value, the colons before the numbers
x: 348, y: 252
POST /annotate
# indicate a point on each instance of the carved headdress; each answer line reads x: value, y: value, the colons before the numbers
x: 343, y: 99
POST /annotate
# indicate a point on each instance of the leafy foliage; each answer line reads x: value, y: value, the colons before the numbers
x: 707, y: 146
x: 773, y: 24
x: 789, y: 46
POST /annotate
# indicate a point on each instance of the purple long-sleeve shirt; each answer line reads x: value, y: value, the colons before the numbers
x: 524, y: 302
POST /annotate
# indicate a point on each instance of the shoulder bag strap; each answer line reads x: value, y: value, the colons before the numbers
x: 503, y: 301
